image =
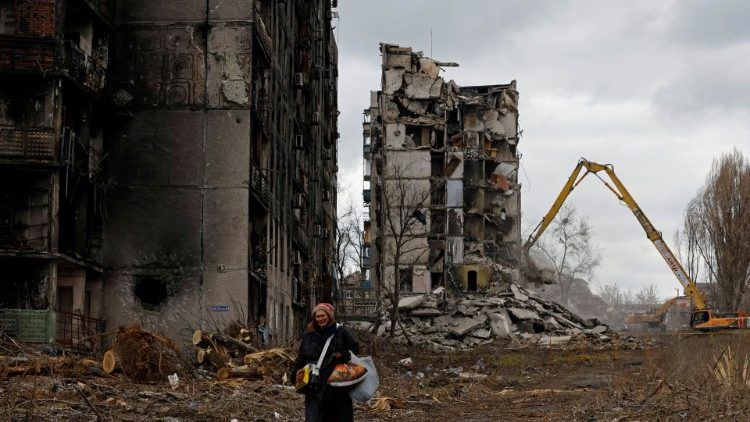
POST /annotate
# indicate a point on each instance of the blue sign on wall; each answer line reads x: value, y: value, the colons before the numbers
x: 220, y: 308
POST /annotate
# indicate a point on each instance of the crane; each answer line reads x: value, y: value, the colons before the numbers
x: 702, y: 317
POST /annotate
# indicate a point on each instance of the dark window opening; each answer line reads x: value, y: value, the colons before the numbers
x: 405, y: 279
x: 151, y: 292
x: 472, y: 281
x: 436, y: 280
x: 65, y: 299
x: 413, y: 136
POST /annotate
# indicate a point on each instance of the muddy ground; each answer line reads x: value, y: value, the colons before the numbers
x: 494, y: 382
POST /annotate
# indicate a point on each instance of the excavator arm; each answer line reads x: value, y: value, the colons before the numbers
x: 655, y: 316
x: 623, y: 195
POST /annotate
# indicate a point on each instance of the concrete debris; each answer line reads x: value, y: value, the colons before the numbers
x: 446, y: 321
x: 599, y: 329
x: 410, y: 302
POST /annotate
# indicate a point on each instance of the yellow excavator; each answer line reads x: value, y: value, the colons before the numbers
x: 654, y: 319
x: 702, y: 317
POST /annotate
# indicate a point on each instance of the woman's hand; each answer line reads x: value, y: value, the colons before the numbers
x: 342, y: 357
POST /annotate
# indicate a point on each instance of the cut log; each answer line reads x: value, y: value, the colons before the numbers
x: 238, y: 372
x: 233, y: 343
x: 197, y: 337
x: 109, y: 362
x: 200, y: 355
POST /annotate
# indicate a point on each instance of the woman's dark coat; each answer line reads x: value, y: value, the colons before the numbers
x: 326, y: 403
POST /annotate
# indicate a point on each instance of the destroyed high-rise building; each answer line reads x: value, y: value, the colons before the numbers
x: 54, y: 66
x: 167, y: 163
x: 441, y: 177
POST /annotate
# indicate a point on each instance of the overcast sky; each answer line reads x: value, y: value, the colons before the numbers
x: 659, y: 89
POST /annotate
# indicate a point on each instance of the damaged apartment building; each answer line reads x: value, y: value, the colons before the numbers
x: 441, y: 177
x: 171, y: 164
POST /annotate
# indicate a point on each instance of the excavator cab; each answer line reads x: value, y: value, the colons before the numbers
x: 699, y: 317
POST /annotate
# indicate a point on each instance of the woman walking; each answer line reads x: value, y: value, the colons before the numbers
x: 323, y: 402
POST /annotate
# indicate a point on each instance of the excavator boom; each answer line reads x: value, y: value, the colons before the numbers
x: 623, y: 195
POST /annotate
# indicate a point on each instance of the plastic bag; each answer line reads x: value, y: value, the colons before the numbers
x: 346, y: 374
x: 365, y: 390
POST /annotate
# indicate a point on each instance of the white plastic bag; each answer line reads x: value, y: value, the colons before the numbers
x: 366, y: 389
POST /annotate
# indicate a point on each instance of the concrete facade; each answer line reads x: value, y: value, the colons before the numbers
x: 230, y: 165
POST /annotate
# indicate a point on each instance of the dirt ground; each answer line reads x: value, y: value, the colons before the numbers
x: 671, y: 379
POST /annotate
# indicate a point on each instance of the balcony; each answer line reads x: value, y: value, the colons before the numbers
x: 260, y: 189
x: 366, y: 150
x: 366, y: 196
x: 264, y: 39
x: 300, y: 238
x: 365, y: 262
x: 83, y: 69
x: 27, y: 143
x: 366, y: 284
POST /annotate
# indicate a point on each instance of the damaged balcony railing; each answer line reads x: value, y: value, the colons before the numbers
x: 27, y: 143
x: 78, y: 331
x: 84, y: 69
x: 264, y: 39
x: 300, y: 238
x: 260, y: 188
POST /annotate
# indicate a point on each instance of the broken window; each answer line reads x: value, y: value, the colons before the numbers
x: 6, y: 215
x: 437, y: 161
x: 24, y: 209
x: 437, y: 193
x: 405, y: 279
x: 24, y: 285
x: 7, y: 18
x: 413, y: 136
x: 437, y: 226
x: 438, y: 139
x: 436, y: 279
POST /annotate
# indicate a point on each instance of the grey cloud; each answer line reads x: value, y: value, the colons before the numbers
x: 713, y: 24
x: 712, y: 84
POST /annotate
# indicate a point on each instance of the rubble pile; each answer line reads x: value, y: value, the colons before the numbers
x: 448, y: 322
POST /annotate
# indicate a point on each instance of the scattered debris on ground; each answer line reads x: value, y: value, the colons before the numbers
x: 445, y: 321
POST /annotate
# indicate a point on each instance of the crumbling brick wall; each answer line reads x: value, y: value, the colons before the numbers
x: 36, y: 17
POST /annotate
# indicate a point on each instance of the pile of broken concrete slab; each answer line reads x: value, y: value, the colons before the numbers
x: 444, y: 321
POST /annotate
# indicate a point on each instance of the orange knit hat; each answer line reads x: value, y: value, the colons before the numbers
x: 327, y: 308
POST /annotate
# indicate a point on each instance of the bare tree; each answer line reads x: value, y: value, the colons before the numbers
x: 349, y: 238
x: 616, y: 296
x: 686, y: 240
x: 719, y: 218
x: 647, y: 295
x: 568, y: 245
x: 404, y: 204
x: 611, y: 293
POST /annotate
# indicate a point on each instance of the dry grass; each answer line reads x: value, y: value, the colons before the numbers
x: 691, y: 377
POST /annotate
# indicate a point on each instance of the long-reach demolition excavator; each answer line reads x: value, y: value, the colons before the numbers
x: 654, y: 318
x: 702, y: 317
